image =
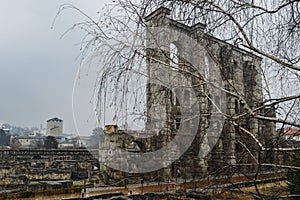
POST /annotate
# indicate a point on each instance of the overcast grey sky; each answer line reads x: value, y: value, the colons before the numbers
x: 37, y: 67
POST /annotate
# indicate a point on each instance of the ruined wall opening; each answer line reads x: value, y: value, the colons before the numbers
x: 174, y: 57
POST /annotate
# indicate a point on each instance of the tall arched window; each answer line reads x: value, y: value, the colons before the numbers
x: 237, y: 106
x: 174, y: 57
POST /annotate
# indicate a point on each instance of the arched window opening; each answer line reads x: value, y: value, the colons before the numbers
x: 237, y: 106
x: 175, y: 98
x: 174, y: 57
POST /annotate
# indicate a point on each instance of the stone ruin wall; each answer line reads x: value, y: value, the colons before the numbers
x: 241, y: 74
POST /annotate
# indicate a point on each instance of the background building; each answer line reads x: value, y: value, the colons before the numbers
x: 54, y: 127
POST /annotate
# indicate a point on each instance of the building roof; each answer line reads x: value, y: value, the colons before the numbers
x: 292, y: 131
x: 67, y: 142
x: 55, y: 119
x: 30, y: 137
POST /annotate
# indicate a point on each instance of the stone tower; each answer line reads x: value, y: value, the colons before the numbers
x: 54, y: 127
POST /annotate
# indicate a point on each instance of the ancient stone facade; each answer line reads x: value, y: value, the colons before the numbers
x: 240, y: 74
x: 242, y: 78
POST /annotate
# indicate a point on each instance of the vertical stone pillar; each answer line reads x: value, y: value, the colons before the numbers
x: 253, y: 97
x: 230, y: 133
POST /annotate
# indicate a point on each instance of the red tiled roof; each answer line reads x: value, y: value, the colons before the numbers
x: 291, y: 131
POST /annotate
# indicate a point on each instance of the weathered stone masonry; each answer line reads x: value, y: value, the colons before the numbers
x: 241, y: 74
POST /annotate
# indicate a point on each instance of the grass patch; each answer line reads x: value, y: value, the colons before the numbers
x: 277, y: 188
x: 248, y: 193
